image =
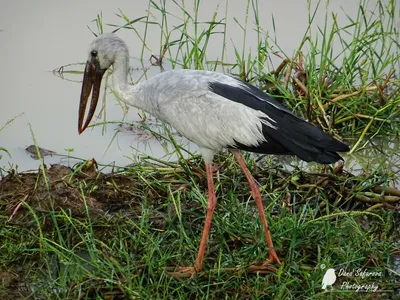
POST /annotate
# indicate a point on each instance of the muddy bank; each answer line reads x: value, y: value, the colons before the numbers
x: 29, y: 200
x: 85, y: 191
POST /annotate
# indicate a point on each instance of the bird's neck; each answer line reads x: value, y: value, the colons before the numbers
x: 131, y: 95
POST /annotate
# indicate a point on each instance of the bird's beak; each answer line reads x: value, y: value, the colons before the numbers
x: 91, y: 83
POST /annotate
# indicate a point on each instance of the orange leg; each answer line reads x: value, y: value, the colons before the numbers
x: 212, y: 201
x: 255, y: 192
x: 190, y: 271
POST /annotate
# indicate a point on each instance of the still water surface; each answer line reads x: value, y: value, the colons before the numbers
x: 37, y: 37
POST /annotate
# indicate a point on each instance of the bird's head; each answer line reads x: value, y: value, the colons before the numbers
x: 102, y: 53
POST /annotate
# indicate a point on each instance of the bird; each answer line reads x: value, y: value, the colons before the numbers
x: 329, y: 278
x: 215, y: 111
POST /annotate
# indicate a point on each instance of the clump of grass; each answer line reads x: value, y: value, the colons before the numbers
x: 99, y: 235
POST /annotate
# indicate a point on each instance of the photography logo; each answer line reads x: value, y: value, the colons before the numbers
x: 329, y: 278
x: 352, y: 280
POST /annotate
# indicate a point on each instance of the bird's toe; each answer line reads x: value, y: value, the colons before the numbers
x: 182, y: 272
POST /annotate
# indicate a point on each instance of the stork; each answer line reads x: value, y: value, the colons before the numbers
x: 213, y: 110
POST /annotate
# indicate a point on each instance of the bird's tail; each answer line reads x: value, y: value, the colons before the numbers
x: 305, y: 140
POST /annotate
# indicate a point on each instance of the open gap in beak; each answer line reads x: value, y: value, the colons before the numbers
x: 91, y: 84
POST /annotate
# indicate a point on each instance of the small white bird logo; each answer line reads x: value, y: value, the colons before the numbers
x: 329, y: 278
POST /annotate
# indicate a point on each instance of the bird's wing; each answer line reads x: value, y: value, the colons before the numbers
x: 247, y: 94
x: 291, y: 134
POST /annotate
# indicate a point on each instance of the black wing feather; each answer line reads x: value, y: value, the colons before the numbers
x: 293, y: 136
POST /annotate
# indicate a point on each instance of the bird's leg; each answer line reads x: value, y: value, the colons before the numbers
x: 255, y: 192
x: 210, y: 211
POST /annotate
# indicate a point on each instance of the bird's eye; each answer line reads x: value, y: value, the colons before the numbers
x: 94, y: 53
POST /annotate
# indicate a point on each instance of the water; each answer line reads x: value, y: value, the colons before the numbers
x: 45, y: 35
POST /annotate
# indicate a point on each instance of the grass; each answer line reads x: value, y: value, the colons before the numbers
x: 2, y: 149
x: 77, y: 233
x: 58, y: 238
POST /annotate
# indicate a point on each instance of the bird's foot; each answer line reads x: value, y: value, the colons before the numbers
x: 273, y: 258
x: 182, y: 272
x: 262, y: 269
x: 266, y: 267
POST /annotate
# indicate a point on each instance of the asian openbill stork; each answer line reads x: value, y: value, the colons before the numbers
x: 213, y: 110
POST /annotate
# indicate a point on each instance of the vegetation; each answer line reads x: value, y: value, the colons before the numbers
x: 80, y: 234
x: 2, y: 149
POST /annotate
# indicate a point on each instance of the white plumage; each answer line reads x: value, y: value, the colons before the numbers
x: 169, y: 97
x: 194, y: 119
x: 213, y: 110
